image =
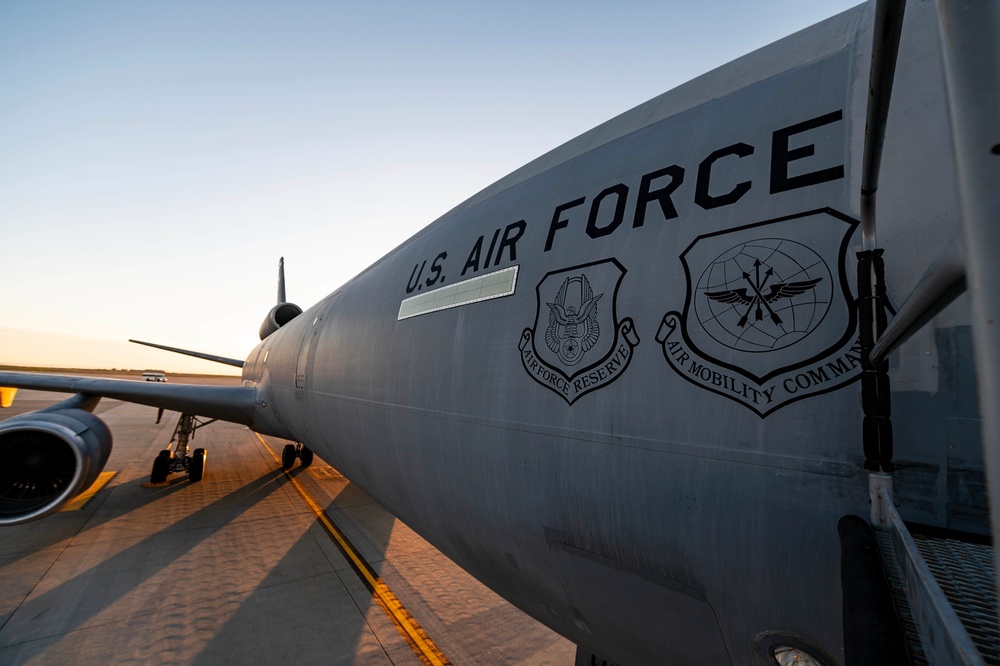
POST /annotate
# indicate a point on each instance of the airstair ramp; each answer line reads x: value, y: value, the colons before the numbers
x: 944, y: 589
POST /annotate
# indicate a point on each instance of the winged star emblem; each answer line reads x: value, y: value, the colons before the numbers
x: 758, y: 301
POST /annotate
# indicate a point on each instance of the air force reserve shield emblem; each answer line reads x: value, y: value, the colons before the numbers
x: 583, y: 345
x: 768, y: 317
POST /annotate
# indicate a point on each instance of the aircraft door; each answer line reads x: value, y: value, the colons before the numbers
x: 307, y: 352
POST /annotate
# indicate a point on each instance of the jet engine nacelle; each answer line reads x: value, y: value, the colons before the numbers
x: 280, y: 314
x: 47, y: 458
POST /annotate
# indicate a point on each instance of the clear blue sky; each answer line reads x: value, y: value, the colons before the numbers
x: 157, y: 158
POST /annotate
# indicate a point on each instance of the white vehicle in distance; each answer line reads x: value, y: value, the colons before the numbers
x: 154, y: 376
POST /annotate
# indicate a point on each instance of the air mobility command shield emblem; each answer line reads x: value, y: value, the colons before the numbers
x: 768, y: 317
x: 578, y: 344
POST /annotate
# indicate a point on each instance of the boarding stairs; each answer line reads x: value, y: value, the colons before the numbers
x: 943, y: 585
x: 945, y: 589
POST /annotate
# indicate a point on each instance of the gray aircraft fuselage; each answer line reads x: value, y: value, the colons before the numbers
x: 620, y: 385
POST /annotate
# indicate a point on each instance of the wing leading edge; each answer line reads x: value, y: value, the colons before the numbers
x: 227, y: 403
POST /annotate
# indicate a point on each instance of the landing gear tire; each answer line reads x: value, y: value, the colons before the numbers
x: 306, y: 457
x: 288, y: 456
x: 196, y: 471
x: 161, y: 467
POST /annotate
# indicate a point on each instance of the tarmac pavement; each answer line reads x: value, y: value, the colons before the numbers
x: 239, y: 569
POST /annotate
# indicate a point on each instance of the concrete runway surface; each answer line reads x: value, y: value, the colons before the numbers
x: 239, y: 568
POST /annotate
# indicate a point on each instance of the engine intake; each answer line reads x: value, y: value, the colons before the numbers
x: 47, y: 458
x: 280, y: 314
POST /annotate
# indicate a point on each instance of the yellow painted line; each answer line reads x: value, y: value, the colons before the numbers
x: 407, y: 625
x: 84, y: 497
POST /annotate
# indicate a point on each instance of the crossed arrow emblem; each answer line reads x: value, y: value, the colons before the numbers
x: 758, y: 301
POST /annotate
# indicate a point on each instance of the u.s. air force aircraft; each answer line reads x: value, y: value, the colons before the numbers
x: 641, y: 387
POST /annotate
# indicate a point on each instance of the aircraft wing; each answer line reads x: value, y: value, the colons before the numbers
x: 228, y: 403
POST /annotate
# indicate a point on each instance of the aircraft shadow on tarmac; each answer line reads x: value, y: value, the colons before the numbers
x: 52, y: 615
x: 325, y: 618
x: 30, y: 538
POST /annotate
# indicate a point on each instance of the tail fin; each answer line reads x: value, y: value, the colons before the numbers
x: 283, y: 312
x: 281, y: 281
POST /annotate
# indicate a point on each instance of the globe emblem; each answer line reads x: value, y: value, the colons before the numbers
x: 763, y: 295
